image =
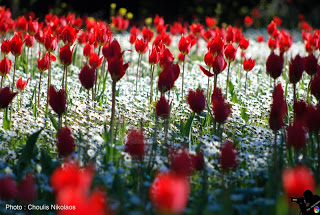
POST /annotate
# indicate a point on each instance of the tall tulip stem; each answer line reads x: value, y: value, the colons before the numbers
x: 39, y: 90
x: 245, y: 84
x: 1, y: 82
x: 184, y: 59
x: 275, y: 162
x: 112, y: 111
x: 49, y: 82
x: 294, y: 93
x: 14, y: 73
x: 137, y: 75
x: 227, y: 81
x: 151, y: 83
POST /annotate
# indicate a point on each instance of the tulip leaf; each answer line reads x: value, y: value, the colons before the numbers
x: 46, y: 163
x: 54, y: 121
x: 244, y: 114
x: 187, y: 127
x: 29, y: 151
x: 6, y: 122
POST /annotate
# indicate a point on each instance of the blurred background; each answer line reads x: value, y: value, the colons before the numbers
x: 228, y: 11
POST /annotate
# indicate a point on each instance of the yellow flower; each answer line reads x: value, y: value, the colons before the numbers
x: 148, y: 21
x: 113, y: 5
x: 122, y: 11
x: 129, y: 15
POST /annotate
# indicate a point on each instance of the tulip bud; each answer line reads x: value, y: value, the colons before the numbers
x: 16, y: 45
x: 66, y: 55
x: 87, y: 77
x: 5, y: 66
x: 274, y: 65
x: 135, y: 144
x: 163, y: 108
x: 8, y: 188
x: 65, y: 143
x: 197, y: 101
x: 296, y: 68
x: 57, y: 100
x: 21, y: 85
x: 94, y: 60
x: 228, y: 156
x: 27, y: 190
x: 6, y: 97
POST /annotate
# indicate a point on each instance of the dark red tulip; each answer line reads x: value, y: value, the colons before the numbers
x: 167, y: 77
x: 219, y: 64
x: 297, y: 180
x: 65, y: 142
x: 248, y: 64
x: 182, y: 163
x: 16, y: 45
x: 57, y: 100
x: 6, y: 97
x: 166, y: 58
x: 5, y: 47
x: 162, y: 108
x: 116, y: 68
x: 278, y: 109
x: 5, y: 66
x: 221, y: 111
x: 66, y: 55
x: 112, y: 50
x: 29, y: 40
x: 296, y: 135
x: 141, y: 46
x: 197, y: 101
x: 88, y: 50
x: 205, y: 71
x: 315, y: 87
x: 274, y: 65
x: 230, y: 53
x: 296, y: 68
x: 27, y: 192
x: 198, y: 161
x: 8, y: 188
x: 154, y: 56
x: 299, y: 108
x: 310, y: 64
x: 184, y: 45
x: 312, y: 118
x: 21, y: 85
x: 87, y: 77
x: 228, y: 156
x: 94, y: 60
x: 169, y: 193
x: 217, y: 96
x: 135, y: 144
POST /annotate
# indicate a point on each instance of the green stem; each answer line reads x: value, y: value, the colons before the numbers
x: 151, y: 83
x: 245, y: 86
x: 275, y: 162
x: 227, y: 80
x: 112, y: 111
x: 49, y: 82
x: 154, y: 145
x: 39, y: 90
x: 184, y: 59
x: 137, y: 75
x: 1, y: 82
x: 63, y: 74
x: 14, y: 73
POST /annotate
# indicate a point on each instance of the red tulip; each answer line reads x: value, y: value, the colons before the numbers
x: 230, y: 34
x: 27, y: 189
x: 135, y: 144
x: 33, y: 26
x: 87, y: 77
x: 6, y: 97
x: 248, y: 21
x: 29, y: 40
x: 310, y: 64
x: 230, y: 53
x: 181, y: 57
x: 66, y: 55
x: 167, y: 77
x: 277, y: 20
x: 120, y: 23
x: 5, y: 66
x: 147, y: 34
x: 132, y: 39
x: 22, y: 24
x: 141, y: 46
x: 134, y: 31
x: 43, y: 64
x: 217, y: 96
x: 206, y: 72
x: 82, y: 38
x: 112, y: 50
x: 69, y: 175
x: 260, y: 38
x: 57, y: 100
x: 244, y: 43
x: 116, y: 68
x: 50, y: 42
x: 297, y: 180
x: 315, y: 87
x: 65, y: 143
x: 248, y: 64
x: 184, y: 45
x: 196, y: 29
x: 211, y: 22
x: 192, y: 38
x: 154, y: 57
x: 21, y: 85
x: 221, y: 111
x: 312, y: 118
x: 299, y: 108
x: 216, y: 47
x: 274, y: 65
x: 273, y: 44
x: 68, y: 35
x: 16, y: 45
x: 169, y: 193
x: 296, y: 135
x: 8, y: 188
x: 94, y: 60
x: 278, y: 109
x: 5, y: 47
x: 88, y: 50
x: 163, y: 108
x: 296, y: 68
x: 103, y: 36
x: 197, y: 101
x: 208, y: 59
x: 228, y: 156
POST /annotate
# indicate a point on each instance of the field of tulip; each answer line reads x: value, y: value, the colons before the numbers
x: 109, y: 118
